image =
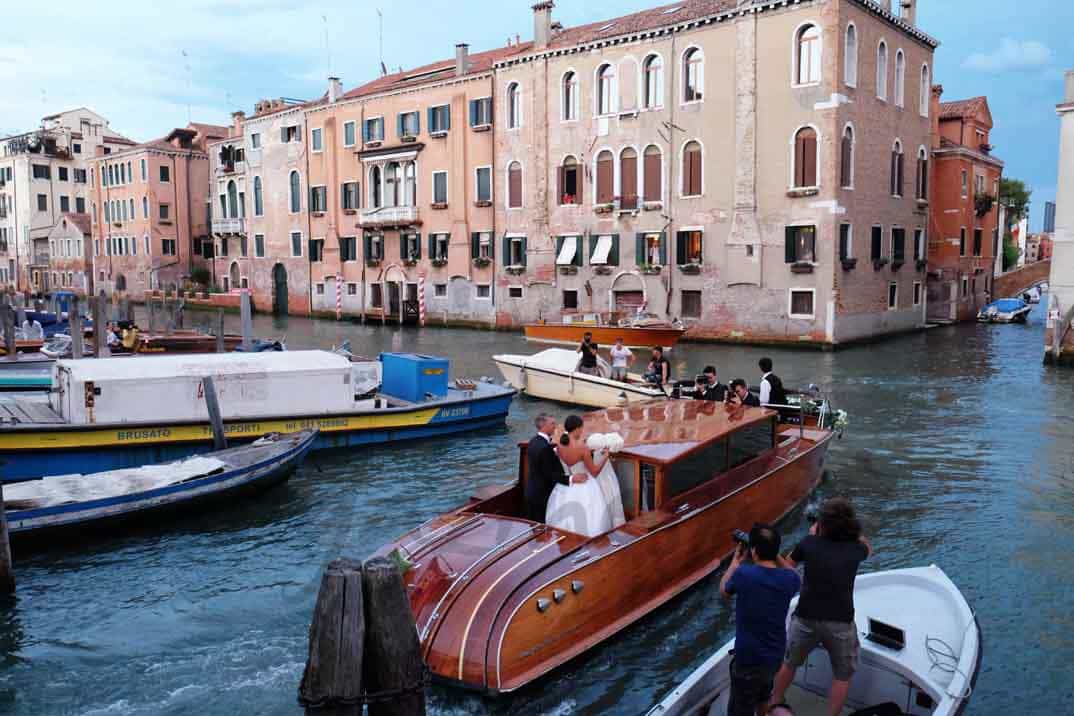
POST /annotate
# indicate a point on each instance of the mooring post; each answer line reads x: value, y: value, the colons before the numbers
x: 7, y: 574
x: 332, y: 682
x: 246, y: 311
x: 74, y: 327
x: 151, y: 311
x: 215, y: 419
x: 100, y: 328
x: 393, y: 660
x: 20, y: 311
x: 11, y: 348
x: 219, y: 330
x: 169, y: 314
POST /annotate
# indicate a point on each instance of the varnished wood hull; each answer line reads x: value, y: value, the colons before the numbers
x: 485, y: 577
x: 571, y: 334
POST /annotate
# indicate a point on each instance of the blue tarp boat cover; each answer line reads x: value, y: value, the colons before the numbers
x: 1007, y: 305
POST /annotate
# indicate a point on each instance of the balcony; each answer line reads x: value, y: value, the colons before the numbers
x: 231, y: 168
x: 227, y: 227
x: 390, y: 216
x: 40, y: 260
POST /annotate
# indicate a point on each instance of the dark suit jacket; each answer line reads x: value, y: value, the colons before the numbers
x: 713, y: 393
x: 752, y: 401
x: 545, y: 472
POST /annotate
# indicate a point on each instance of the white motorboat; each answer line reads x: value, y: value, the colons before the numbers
x: 920, y: 653
x: 1005, y: 310
x: 552, y: 375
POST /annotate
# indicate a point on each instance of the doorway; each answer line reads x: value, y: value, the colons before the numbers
x: 279, y: 290
x: 233, y: 275
x: 394, y: 299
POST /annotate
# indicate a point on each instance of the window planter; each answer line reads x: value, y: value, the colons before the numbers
x: 650, y: 270
x: 802, y: 267
x: 437, y: 135
x: 439, y: 206
x: 603, y: 208
x: 317, y: 213
x: 482, y: 128
x: 439, y: 263
x: 922, y: 264
x: 568, y: 200
x: 849, y: 264
x: 482, y: 261
x: 482, y: 204
x: 568, y: 270
x: 983, y: 204
x: 350, y: 212
x: 691, y: 269
x: 372, y: 145
x: 653, y: 206
x: 798, y: 192
x: 516, y: 270
x: 879, y: 264
x: 602, y: 270
x: 372, y: 263
x: 410, y: 262
x: 408, y: 139
x: 896, y: 265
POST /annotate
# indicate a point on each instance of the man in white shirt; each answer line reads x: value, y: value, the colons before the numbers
x: 622, y: 359
x: 772, y: 391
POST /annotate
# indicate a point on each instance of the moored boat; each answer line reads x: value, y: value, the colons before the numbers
x: 551, y: 375
x: 1005, y: 310
x: 500, y: 601
x: 642, y: 332
x: 920, y: 655
x: 79, y: 505
x: 111, y: 413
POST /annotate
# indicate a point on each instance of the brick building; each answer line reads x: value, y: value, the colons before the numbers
x: 150, y: 203
x: 964, y: 212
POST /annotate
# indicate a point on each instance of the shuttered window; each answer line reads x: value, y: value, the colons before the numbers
x: 688, y: 247
x: 628, y: 179
x: 605, y: 178
x: 846, y: 159
x: 514, y: 186
x: 896, y: 171
x: 878, y: 243
x: 805, y: 158
x: 922, y: 176
x: 898, y: 246
x: 691, y: 170
x: 650, y: 249
x: 801, y: 244
x: 653, y: 174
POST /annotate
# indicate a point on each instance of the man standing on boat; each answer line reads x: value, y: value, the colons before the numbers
x: 590, y: 351
x: 622, y: 358
x: 545, y: 469
x: 832, y: 553
x: 763, y: 591
x: 772, y: 391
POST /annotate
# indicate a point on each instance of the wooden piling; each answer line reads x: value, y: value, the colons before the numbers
x: 74, y: 327
x: 246, y: 311
x: 219, y: 330
x: 100, y: 328
x: 393, y: 660
x: 216, y: 420
x: 332, y: 681
x: 7, y: 573
x: 10, y: 346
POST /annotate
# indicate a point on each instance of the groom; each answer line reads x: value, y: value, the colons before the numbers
x: 545, y: 469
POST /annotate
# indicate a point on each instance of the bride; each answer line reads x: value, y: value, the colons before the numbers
x: 593, y: 505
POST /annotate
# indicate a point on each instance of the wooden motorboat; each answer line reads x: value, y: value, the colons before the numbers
x: 551, y: 375
x: 920, y: 654
x: 24, y: 345
x: 642, y: 332
x: 500, y: 601
x: 77, y: 505
x: 1005, y: 310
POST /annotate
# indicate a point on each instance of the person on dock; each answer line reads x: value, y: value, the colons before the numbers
x: 740, y: 395
x: 763, y: 589
x: 709, y: 387
x: 659, y: 371
x: 772, y: 391
x: 590, y: 351
x: 832, y: 553
x: 622, y: 359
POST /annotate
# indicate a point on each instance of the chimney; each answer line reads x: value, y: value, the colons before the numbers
x: 1068, y: 95
x: 462, y: 59
x: 908, y: 11
x: 237, y: 118
x: 542, y: 23
x: 335, y: 89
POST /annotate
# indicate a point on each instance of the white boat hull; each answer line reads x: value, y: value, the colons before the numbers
x: 548, y: 383
x: 923, y: 603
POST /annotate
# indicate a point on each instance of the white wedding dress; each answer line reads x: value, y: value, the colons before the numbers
x: 590, y: 508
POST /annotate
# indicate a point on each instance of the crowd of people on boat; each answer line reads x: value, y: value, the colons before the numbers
x: 762, y: 581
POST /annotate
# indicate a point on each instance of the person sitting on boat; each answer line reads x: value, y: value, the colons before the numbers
x: 709, y: 387
x: 772, y: 391
x: 622, y: 359
x: 763, y: 588
x: 587, y: 507
x: 740, y: 395
x: 832, y: 553
x: 545, y: 471
x: 659, y: 370
x: 588, y: 362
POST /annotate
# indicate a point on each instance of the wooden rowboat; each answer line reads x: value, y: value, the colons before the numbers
x: 571, y: 334
x: 500, y: 601
x: 73, y: 505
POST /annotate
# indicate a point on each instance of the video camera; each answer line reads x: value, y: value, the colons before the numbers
x: 741, y: 538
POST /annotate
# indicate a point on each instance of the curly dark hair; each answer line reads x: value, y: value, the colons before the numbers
x: 838, y: 520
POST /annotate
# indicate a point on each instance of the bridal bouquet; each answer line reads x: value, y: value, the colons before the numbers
x: 612, y: 442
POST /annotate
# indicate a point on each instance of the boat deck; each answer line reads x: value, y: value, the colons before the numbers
x: 23, y: 411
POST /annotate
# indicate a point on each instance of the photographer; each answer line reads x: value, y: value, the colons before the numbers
x: 709, y: 388
x: 832, y: 554
x: 740, y: 395
x: 764, y: 589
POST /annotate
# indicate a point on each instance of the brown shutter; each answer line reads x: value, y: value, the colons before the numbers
x: 561, y: 184
x: 809, y: 166
x: 893, y: 170
x: 605, y: 180
x: 799, y: 160
x: 628, y: 173
x: 845, y: 163
x: 695, y: 173
x: 652, y: 177
x: 514, y: 200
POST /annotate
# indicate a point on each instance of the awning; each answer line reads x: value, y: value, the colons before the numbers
x: 567, y: 251
x: 600, y: 253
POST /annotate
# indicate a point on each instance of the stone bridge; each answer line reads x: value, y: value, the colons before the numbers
x: 1013, y: 283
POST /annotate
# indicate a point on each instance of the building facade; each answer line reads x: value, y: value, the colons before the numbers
x: 751, y: 173
x: 150, y: 201
x: 1061, y: 283
x: 45, y: 174
x: 70, y: 252
x: 964, y: 224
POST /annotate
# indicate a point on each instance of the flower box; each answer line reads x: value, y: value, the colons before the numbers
x: 372, y: 263
x: 482, y: 128
x: 653, y: 206
x: 603, y: 208
x: 651, y: 270
x: 438, y: 135
x: 372, y: 145
x: 798, y: 192
x: 317, y: 214
x: 439, y: 206
x: 922, y: 264
x: 439, y: 263
x: 983, y: 204
x: 350, y: 212
x: 516, y: 270
x: 897, y: 264
x: 691, y: 269
x: 482, y: 261
x: 410, y: 262
x: 879, y: 264
x: 568, y: 270
x: 409, y: 139
x: 602, y: 270
x: 849, y: 264
x: 482, y: 204
x: 802, y: 267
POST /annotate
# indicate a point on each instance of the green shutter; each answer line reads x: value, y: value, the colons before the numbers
x: 432, y: 246
x: 475, y: 245
x: 680, y: 248
x: 399, y: 125
x: 613, y: 256
x: 579, y: 250
x: 593, y: 239
x: 367, y: 246
x: 639, y: 249
x: 432, y: 114
x: 402, y: 246
x: 790, y: 252
x: 419, y: 245
x: 525, y: 251
x: 506, y: 248
x: 559, y: 247
x: 663, y: 248
x: 473, y: 113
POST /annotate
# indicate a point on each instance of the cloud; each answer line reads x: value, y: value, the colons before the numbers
x: 1010, y: 55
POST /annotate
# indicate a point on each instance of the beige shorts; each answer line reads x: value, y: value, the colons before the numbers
x: 840, y: 640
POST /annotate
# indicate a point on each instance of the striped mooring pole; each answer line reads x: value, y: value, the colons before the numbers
x: 421, y: 300
x: 339, y: 298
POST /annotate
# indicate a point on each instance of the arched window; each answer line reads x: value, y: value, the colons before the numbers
x: 514, y: 186
x: 375, y: 194
x: 896, y: 169
x: 846, y: 159
x: 232, y: 200
x: 922, y: 183
x: 653, y: 174
x: 805, y: 158
x: 296, y: 193
x: 850, y: 70
x: 653, y: 76
x: 605, y: 90
x: 570, y: 96
x: 259, y: 198
x: 570, y: 182
x: 145, y: 207
x: 692, y: 176
x: 882, y: 71
x: 900, y: 79
x: 807, y: 55
x: 392, y: 179
x: 693, y: 72
x: 628, y: 179
x: 514, y: 106
x: 924, y: 92
x: 605, y: 177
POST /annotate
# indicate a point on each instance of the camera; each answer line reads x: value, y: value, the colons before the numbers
x: 701, y: 380
x: 742, y: 538
x: 812, y: 514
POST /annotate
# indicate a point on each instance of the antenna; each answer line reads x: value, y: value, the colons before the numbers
x: 189, y: 84
x: 380, y: 19
x: 327, y: 50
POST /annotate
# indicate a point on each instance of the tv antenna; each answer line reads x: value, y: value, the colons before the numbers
x: 380, y: 19
x: 189, y: 83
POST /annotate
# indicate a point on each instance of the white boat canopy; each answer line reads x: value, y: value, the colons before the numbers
x: 567, y: 251
x: 602, y: 251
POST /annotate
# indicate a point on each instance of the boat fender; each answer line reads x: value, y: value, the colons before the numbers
x: 559, y: 595
x: 543, y: 603
x: 577, y: 586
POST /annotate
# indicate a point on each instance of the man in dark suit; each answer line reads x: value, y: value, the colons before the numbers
x: 545, y: 469
x: 741, y: 395
x: 709, y: 387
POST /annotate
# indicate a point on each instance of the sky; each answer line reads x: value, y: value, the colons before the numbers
x: 147, y: 66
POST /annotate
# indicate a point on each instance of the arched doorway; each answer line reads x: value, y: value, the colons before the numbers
x: 279, y: 290
x: 233, y: 276
x: 121, y: 282
x: 627, y: 294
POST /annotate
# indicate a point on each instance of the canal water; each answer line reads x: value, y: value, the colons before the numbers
x: 960, y: 452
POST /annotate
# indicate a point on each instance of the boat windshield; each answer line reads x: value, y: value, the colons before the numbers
x: 695, y: 469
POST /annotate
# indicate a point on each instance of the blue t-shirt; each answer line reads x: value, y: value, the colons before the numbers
x: 762, y: 600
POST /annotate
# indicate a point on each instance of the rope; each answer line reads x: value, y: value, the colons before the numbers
x: 943, y: 657
x: 369, y: 697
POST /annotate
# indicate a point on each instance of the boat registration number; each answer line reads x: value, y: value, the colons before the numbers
x: 455, y: 412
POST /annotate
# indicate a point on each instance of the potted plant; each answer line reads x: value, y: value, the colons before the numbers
x: 651, y: 269
x: 516, y: 270
x: 692, y: 268
x: 439, y: 262
x: 482, y: 261
x: 802, y: 267
x: 372, y: 262
x: 570, y: 270
x: 983, y: 204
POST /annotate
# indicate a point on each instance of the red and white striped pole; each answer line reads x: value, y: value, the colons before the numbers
x: 421, y: 300
x: 339, y: 298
